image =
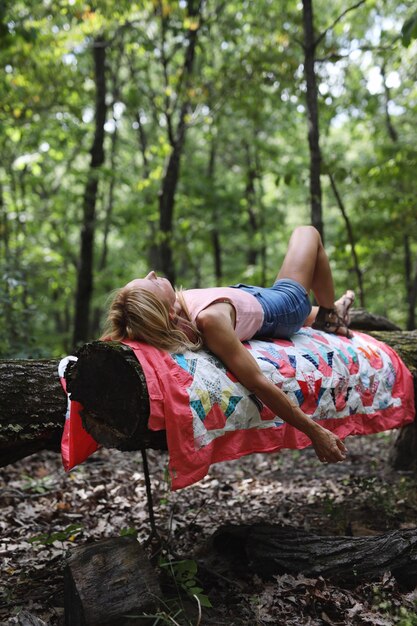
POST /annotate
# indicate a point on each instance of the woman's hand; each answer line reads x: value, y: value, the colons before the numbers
x: 328, y: 447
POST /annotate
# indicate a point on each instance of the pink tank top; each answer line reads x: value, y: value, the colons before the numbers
x: 249, y: 313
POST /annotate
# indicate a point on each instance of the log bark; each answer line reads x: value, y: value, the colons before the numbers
x: 108, y: 580
x: 32, y: 408
x: 109, y: 382
x: 363, y: 320
x: 269, y: 550
x: 351, y: 238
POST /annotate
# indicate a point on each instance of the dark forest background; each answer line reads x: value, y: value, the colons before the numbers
x: 190, y: 137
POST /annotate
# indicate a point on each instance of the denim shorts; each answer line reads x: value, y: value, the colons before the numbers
x: 286, y: 306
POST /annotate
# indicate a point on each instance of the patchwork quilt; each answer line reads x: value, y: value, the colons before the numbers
x: 352, y: 387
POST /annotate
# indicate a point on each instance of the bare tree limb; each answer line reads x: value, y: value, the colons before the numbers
x: 340, y: 57
x: 351, y: 238
x: 337, y: 20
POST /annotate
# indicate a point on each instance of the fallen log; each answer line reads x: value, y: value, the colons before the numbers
x: 106, y: 581
x: 269, y: 550
x: 403, y: 455
x: 120, y: 420
x: 364, y: 320
x: 32, y: 408
x: 109, y: 382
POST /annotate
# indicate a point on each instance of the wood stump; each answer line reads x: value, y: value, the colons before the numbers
x: 107, y: 580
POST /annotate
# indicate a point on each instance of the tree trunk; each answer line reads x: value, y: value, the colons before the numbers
x: 108, y: 212
x: 7, y: 307
x: 166, y: 206
x: 262, y: 226
x: 215, y: 232
x: 172, y: 171
x: 253, y: 227
x: 269, y: 550
x: 108, y: 580
x: 392, y: 132
x: 109, y: 382
x: 410, y: 284
x: 351, y: 239
x: 85, y: 269
x: 410, y: 280
x: 313, y: 117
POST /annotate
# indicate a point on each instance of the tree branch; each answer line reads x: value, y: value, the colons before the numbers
x: 340, y: 17
x: 339, y: 57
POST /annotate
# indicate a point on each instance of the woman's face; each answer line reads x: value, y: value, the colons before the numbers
x: 161, y: 287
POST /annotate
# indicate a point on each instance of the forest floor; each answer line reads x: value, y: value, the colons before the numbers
x: 45, y: 513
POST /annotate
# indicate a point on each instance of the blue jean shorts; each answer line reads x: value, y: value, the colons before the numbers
x: 286, y: 306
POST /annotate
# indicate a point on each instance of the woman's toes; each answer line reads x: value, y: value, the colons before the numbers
x: 343, y: 305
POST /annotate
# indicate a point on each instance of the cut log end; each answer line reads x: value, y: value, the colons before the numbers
x: 107, y: 580
x: 109, y: 382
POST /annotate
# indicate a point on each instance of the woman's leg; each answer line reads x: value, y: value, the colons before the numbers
x: 306, y: 262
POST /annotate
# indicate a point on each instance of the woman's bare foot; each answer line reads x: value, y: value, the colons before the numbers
x: 343, y: 304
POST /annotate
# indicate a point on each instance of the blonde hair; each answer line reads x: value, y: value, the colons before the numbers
x: 138, y: 314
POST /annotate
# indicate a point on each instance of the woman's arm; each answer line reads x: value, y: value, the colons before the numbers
x: 215, y: 324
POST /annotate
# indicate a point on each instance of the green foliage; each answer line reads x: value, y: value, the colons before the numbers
x: 67, y: 534
x: 245, y: 167
x: 409, y: 30
x: 184, y: 573
x: 400, y: 616
x: 128, y: 532
x: 38, y: 485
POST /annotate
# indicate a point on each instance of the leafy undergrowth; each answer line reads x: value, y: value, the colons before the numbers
x: 46, y: 512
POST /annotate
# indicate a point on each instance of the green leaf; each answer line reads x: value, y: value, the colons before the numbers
x: 409, y: 30
x: 128, y: 532
x: 204, y: 600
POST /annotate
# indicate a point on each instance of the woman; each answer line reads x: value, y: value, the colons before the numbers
x: 220, y: 318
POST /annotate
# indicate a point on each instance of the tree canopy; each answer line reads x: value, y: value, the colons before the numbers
x: 185, y: 148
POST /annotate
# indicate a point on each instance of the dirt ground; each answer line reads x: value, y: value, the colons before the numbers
x: 45, y: 513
